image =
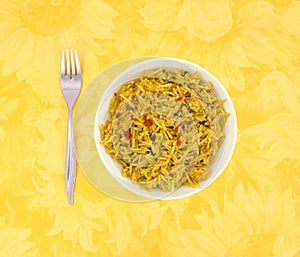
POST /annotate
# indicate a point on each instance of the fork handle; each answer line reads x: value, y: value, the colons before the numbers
x: 70, y: 160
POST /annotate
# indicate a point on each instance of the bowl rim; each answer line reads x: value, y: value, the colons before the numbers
x: 131, y: 72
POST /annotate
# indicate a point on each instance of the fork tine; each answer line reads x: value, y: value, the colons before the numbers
x: 78, y: 69
x: 63, y: 63
x: 68, y: 62
x: 72, y: 63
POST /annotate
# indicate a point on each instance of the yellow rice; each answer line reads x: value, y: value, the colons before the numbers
x: 205, y: 108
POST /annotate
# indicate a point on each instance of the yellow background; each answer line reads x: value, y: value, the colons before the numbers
x: 253, y: 47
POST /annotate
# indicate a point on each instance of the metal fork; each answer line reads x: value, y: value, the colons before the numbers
x: 70, y: 80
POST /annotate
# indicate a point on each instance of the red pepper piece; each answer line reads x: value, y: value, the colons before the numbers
x: 127, y: 135
x: 179, y: 98
x: 177, y: 128
x: 148, y: 123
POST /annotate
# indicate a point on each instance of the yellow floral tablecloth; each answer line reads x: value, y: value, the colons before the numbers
x: 253, y: 47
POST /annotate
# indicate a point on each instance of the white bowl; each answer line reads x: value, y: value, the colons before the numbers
x: 223, y: 155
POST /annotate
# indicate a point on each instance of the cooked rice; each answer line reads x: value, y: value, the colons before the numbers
x: 165, y: 129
